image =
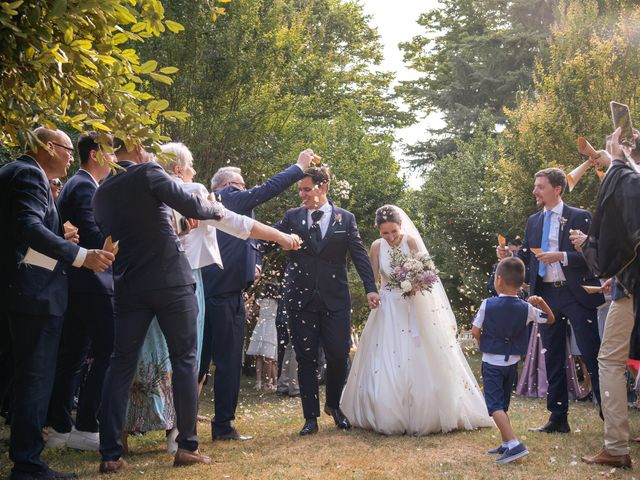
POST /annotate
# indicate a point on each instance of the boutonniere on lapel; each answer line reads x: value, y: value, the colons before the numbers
x: 563, y: 222
x: 337, y: 219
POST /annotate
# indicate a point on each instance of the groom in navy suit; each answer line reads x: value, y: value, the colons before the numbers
x: 557, y: 275
x: 316, y: 293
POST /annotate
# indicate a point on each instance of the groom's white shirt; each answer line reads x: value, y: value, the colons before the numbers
x: 324, y: 221
x: 535, y: 315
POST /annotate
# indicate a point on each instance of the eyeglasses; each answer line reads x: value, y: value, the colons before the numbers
x: 237, y: 184
x: 68, y: 149
x: 55, y: 183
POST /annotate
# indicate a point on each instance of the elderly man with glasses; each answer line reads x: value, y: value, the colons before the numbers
x: 224, y: 305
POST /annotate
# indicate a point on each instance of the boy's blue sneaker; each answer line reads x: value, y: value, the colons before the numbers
x: 512, y: 454
x: 497, y: 451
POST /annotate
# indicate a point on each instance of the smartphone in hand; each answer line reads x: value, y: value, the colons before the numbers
x: 621, y: 117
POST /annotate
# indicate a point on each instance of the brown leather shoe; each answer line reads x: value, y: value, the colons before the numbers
x: 184, y: 458
x: 112, y: 466
x: 605, y: 458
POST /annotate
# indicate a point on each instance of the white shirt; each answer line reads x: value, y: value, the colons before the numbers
x: 201, y: 244
x: 535, y: 315
x: 82, y: 253
x: 324, y: 221
x: 554, y: 271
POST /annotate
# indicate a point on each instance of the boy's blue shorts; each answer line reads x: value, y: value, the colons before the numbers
x: 498, y: 383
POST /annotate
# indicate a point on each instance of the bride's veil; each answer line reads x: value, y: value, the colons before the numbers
x: 441, y: 305
x: 408, y: 228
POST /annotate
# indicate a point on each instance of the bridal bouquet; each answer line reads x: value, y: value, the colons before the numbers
x: 411, y: 273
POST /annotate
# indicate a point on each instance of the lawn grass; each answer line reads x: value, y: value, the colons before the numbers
x: 276, y: 451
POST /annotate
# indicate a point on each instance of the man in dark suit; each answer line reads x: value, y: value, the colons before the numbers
x: 89, y: 317
x: 33, y: 289
x: 557, y: 274
x: 152, y: 277
x: 224, y: 304
x: 316, y: 293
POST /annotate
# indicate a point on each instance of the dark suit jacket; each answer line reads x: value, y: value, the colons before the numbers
x: 30, y: 219
x: 74, y: 204
x: 324, y: 270
x: 134, y: 207
x: 576, y: 271
x: 613, y: 246
x: 239, y: 256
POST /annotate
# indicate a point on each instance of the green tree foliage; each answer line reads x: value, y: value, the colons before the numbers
x: 276, y: 76
x: 474, y: 56
x: 262, y: 79
x: 593, y: 60
x: 71, y: 62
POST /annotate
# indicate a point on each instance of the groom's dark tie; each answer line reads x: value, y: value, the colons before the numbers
x: 314, y: 231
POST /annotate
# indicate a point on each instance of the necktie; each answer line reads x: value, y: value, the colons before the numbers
x: 546, y: 227
x: 315, y: 231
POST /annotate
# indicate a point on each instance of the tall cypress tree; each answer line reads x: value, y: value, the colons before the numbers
x: 474, y: 57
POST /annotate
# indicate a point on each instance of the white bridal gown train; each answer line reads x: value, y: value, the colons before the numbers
x: 409, y: 375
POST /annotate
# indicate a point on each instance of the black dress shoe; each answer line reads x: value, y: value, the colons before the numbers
x: 232, y: 435
x: 561, y: 426
x: 342, y: 422
x: 47, y: 474
x: 310, y: 427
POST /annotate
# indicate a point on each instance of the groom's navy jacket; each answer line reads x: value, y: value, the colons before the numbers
x: 576, y: 271
x: 324, y: 270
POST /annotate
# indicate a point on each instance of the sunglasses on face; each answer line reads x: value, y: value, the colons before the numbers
x: 55, y: 183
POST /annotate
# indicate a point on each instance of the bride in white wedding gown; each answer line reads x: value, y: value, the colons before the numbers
x: 409, y: 375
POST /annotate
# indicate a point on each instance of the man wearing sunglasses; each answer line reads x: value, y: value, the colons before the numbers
x: 35, y: 259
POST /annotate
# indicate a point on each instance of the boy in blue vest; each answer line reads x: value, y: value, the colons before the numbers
x: 501, y: 331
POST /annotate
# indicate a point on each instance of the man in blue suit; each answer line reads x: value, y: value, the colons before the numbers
x: 223, y: 288
x: 316, y: 293
x: 557, y: 274
x: 89, y: 317
x: 152, y: 277
x: 33, y: 288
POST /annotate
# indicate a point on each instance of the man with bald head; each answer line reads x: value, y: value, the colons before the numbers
x: 33, y: 293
